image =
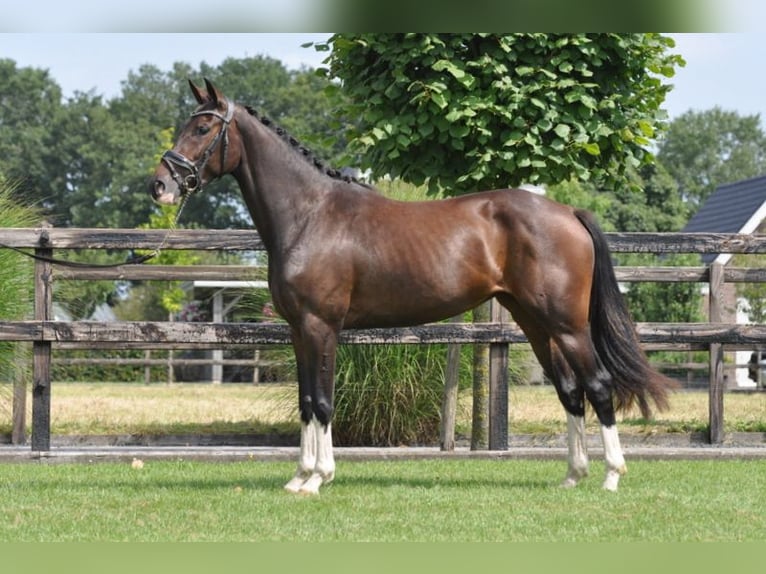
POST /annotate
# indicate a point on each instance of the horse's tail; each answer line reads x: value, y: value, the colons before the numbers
x: 614, y: 335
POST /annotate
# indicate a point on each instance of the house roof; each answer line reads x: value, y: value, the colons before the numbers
x: 732, y: 208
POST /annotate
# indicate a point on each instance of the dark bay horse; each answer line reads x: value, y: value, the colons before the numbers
x: 341, y: 256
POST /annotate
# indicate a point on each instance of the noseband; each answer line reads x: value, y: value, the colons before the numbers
x: 192, y: 182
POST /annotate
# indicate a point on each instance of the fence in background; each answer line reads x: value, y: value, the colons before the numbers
x: 44, y: 333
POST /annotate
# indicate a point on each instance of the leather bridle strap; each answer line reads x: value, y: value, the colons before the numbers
x: 192, y: 181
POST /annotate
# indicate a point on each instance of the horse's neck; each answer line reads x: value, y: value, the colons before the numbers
x: 280, y: 188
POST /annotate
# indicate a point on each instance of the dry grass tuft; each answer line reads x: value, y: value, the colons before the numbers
x: 155, y: 409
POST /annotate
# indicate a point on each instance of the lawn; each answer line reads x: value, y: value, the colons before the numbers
x: 238, y: 408
x: 434, y: 500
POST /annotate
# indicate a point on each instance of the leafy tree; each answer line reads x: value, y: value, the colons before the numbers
x: 87, y: 160
x: 702, y: 150
x: 586, y: 196
x: 29, y: 100
x: 652, y: 203
x: 480, y: 111
x: 105, y: 162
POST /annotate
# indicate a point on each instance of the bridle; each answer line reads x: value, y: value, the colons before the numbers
x: 192, y: 182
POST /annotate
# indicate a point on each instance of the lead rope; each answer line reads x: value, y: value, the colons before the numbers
x: 132, y: 260
x: 173, y: 226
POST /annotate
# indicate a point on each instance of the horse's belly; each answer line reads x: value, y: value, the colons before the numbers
x: 406, y: 305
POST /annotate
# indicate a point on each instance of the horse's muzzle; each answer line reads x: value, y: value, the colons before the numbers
x: 163, y: 193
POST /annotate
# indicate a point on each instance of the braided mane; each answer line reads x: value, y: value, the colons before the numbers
x: 303, y: 151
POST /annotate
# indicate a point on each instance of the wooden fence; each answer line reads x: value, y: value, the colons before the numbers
x: 44, y: 333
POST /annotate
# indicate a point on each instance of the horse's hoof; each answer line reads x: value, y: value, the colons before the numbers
x: 573, y: 477
x: 295, y: 484
x: 569, y: 482
x: 612, y: 480
x: 311, y: 486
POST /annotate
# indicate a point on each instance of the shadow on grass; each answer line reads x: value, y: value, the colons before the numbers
x: 440, y: 482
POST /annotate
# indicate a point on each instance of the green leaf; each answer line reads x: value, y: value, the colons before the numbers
x: 426, y: 129
x: 513, y: 138
x: 439, y: 100
x: 646, y: 128
x: 562, y: 130
x: 558, y: 145
x: 592, y: 148
x: 379, y: 134
x: 449, y: 66
x: 453, y: 115
x: 544, y: 124
x: 459, y: 131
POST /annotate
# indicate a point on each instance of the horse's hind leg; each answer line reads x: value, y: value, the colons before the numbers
x: 596, y: 383
x: 570, y: 393
x: 572, y: 397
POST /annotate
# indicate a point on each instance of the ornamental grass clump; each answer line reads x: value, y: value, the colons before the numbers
x: 389, y: 395
x: 16, y: 288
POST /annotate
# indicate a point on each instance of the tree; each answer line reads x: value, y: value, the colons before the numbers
x: 702, y: 150
x: 480, y: 111
x: 29, y: 100
x: 104, y: 165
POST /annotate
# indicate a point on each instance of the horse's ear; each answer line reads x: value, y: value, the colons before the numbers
x: 200, y: 96
x: 215, y: 93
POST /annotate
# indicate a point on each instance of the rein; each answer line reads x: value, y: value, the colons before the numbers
x: 132, y: 260
x: 189, y: 185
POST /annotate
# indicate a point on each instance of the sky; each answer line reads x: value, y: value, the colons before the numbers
x: 723, y: 69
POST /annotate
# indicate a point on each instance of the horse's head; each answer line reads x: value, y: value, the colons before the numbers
x: 201, y: 152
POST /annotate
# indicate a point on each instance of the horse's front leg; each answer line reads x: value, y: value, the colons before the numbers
x: 324, y: 463
x: 315, y: 349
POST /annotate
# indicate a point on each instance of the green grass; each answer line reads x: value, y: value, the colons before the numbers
x: 436, y: 500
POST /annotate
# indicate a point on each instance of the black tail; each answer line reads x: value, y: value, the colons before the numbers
x: 614, y: 334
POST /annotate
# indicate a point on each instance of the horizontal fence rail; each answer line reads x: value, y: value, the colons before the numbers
x: 248, y: 240
x: 156, y: 334
x: 45, y: 333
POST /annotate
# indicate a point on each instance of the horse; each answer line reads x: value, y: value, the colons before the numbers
x: 343, y: 256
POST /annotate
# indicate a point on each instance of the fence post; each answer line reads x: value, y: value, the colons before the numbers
x: 717, y: 382
x: 217, y: 369
x: 147, y: 367
x: 19, y: 409
x: 41, y: 350
x: 498, y: 385
x: 449, y: 399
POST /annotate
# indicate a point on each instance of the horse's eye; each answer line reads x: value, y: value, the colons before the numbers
x: 202, y: 130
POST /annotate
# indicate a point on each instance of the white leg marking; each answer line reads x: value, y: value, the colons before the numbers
x: 324, y: 469
x: 615, y: 462
x: 578, y: 453
x: 307, y: 458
